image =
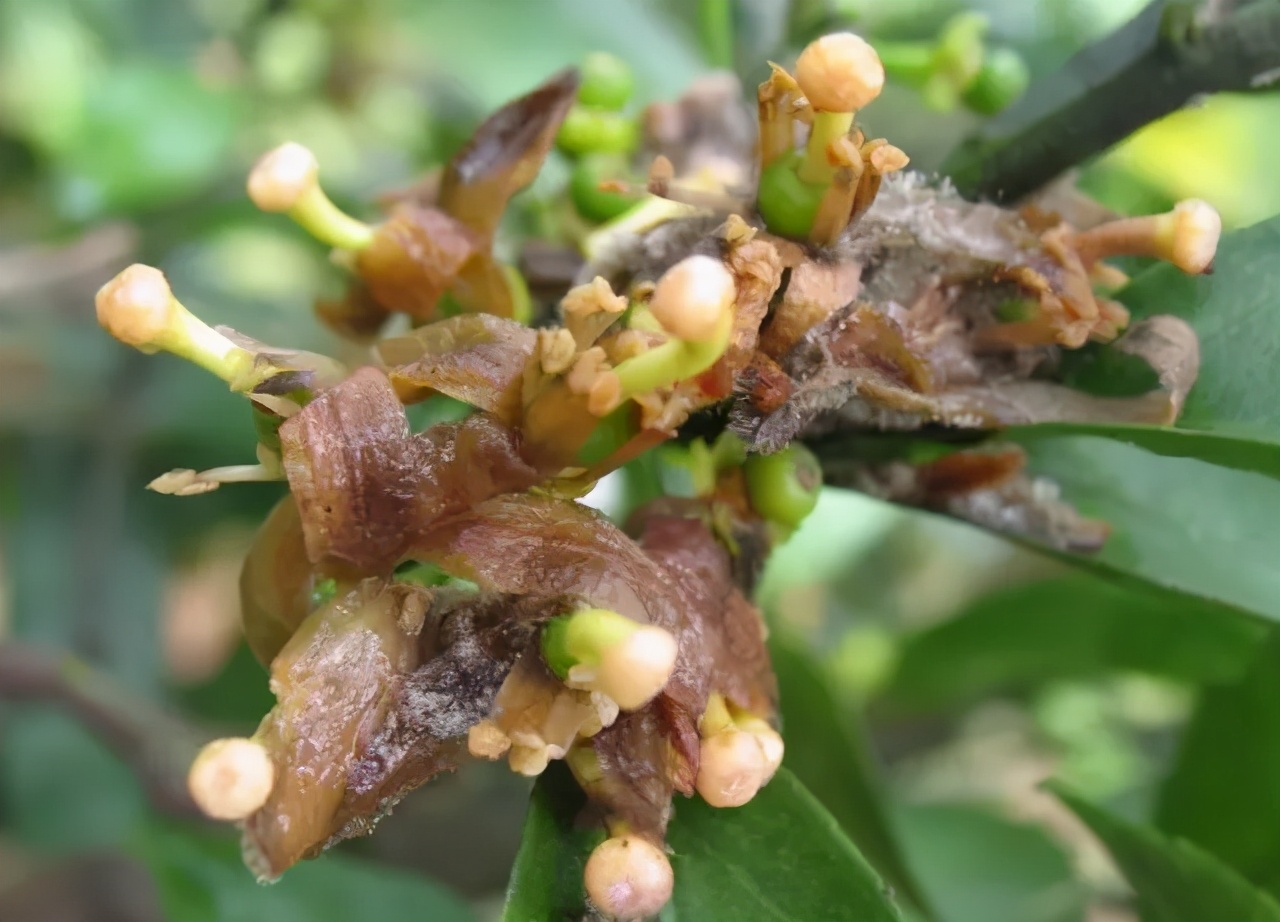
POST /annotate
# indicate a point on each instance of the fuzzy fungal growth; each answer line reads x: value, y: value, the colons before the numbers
x: 669, y: 304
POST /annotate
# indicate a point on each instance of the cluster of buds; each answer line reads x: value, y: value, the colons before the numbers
x: 816, y: 192
x: 959, y: 67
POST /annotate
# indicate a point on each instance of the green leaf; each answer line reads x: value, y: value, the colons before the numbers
x: 780, y: 858
x: 201, y: 878
x: 827, y: 751
x: 1232, y: 416
x: 979, y: 867
x: 1066, y: 628
x: 1175, y: 880
x: 546, y: 881
x: 1177, y: 524
x: 1224, y: 790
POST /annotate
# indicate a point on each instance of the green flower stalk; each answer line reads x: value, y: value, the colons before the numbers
x: 603, y: 651
x: 286, y: 180
x: 138, y: 308
x: 693, y: 302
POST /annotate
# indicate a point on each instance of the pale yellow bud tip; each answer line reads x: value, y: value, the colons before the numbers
x: 840, y: 72
x: 137, y: 306
x: 633, y: 671
x: 1197, y: 228
x: 693, y: 297
x: 231, y: 778
x: 282, y: 176
x: 628, y: 877
x: 731, y: 768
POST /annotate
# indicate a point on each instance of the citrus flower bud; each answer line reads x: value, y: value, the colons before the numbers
x: 627, y: 877
x: 231, y: 778
x: 731, y: 768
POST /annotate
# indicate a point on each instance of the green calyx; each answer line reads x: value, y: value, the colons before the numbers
x: 607, y: 82
x: 788, y: 204
x: 580, y: 638
x: 783, y: 487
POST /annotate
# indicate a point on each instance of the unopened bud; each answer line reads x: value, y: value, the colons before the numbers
x: 627, y: 877
x: 231, y: 778
x: 731, y: 768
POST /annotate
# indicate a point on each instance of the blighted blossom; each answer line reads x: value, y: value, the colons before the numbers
x: 840, y: 298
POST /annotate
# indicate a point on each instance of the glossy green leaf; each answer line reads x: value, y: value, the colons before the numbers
x: 1175, y: 880
x: 827, y: 750
x: 780, y: 858
x: 1232, y: 416
x: 1177, y: 523
x: 1069, y: 627
x: 546, y: 882
x: 201, y: 878
x: 977, y: 866
x: 1224, y: 790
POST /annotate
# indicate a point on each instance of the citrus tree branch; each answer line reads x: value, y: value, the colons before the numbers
x: 1167, y: 55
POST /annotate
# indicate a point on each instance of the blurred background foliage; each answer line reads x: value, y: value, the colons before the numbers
x: 126, y: 128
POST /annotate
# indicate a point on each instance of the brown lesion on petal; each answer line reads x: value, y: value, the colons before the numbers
x: 479, y: 359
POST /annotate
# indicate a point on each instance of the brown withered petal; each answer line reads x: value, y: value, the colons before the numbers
x: 278, y: 371
x: 366, y: 487
x: 415, y: 257
x: 356, y: 315
x: 276, y: 582
x: 331, y: 681
x: 505, y: 154
x: 476, y: 358
x: 680, y: 579
x: 815, y: 291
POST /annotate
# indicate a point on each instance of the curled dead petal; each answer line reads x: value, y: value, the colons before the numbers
x: 416, y: 255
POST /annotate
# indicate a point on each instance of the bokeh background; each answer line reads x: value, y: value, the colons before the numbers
x: 126, y: 128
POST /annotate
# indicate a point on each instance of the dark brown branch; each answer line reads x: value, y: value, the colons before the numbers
x: 157, y: 746
x: 1163, y: 58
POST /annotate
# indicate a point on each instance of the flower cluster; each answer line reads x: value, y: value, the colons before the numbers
x: 419, y: 597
